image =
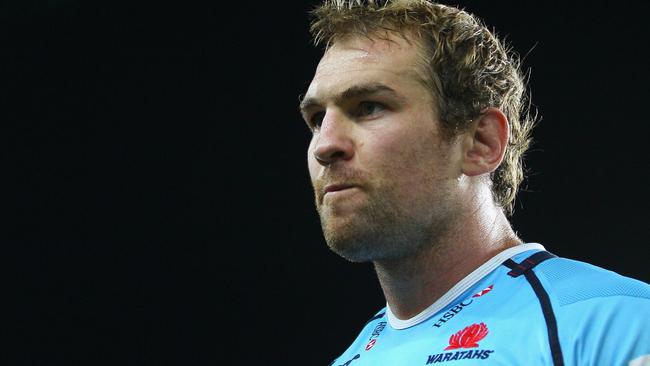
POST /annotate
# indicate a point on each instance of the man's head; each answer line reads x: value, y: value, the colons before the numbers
x: 405, y: 102
x: 463, y: 64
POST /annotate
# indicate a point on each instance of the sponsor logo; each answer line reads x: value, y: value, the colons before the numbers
x: 459, y: 355
x: 484, y: 291
x: 459, y: 307
x: 370, y: 344
x: 451, y: 313
x: 375, y: 333
x: 380, y: 326
x: 466, y: 338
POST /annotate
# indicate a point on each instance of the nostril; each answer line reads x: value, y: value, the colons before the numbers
x: 318, y: 159
x: 337, y: 155
x: 331, y: 156
x: 332, y: 145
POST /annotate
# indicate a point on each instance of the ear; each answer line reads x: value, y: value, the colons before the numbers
x: 485, y: 143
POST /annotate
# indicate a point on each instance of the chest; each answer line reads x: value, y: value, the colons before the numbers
x: 493, y: 328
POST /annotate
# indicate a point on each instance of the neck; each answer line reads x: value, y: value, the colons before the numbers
x: 410, y: 284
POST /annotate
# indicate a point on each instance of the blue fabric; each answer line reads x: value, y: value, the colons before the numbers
x: 602, y: 317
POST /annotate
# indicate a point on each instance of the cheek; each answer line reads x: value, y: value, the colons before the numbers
x: 412, y: 169
x: 409, y: 152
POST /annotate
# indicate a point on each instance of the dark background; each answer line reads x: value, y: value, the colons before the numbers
x: 156, y: 203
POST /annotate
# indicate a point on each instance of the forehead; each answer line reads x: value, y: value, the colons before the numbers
x: 357, y: 60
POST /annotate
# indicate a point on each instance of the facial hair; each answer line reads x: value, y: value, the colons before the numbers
x: 382, y: 225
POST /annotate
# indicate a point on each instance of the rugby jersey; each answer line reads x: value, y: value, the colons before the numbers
x: 524, y: 306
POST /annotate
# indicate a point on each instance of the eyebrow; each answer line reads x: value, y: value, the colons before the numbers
x: 351, y: 92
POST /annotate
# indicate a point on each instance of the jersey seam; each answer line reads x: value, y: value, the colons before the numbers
x: 602, y: 297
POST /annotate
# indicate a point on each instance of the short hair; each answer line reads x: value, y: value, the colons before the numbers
x: 467, y: 68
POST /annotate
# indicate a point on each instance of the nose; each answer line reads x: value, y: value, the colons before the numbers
x: 334, y: 141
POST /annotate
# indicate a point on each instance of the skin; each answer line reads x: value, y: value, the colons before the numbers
x: 416, y: 204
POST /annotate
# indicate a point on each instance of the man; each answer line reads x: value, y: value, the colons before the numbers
x: 415, y: 159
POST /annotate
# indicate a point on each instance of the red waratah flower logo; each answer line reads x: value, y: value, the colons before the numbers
x: 468, y: 337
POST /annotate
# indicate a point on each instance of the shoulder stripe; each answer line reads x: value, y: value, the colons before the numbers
x: 525, y: 268
x: 378, y: 316
x: 520, y: 268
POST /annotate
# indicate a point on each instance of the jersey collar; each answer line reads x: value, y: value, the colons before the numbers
x: 462, y: 286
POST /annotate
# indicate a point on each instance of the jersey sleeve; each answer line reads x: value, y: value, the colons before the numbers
x: 603, y: 318
x: 608, y: 332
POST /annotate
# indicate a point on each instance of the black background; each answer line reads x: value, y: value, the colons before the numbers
x: 157, y: 207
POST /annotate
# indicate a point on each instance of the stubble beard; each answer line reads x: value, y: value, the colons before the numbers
x: 380, y: 229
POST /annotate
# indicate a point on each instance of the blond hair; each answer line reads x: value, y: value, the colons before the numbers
x: 467, y: 68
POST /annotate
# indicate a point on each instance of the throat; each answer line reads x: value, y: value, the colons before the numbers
x: 410, y: 285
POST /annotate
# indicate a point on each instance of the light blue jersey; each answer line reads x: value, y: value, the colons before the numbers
x: 523, y: 307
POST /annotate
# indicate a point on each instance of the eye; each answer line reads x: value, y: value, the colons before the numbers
x: 369, y: 108
x: 316, y: 120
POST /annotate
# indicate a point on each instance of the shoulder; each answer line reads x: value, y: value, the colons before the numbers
x: 602, y: 316
x: 378, y: 315
x: 367, y: 330
x: 571, y: 281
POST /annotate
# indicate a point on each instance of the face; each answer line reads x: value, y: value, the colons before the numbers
x: 384, y: 178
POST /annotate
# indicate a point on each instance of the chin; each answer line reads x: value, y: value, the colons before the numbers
x: 373, y: 233
x: 349, y: 242
x: 362, y: 247
x: 351, y: 252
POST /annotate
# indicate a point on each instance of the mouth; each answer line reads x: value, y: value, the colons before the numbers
x: 334, y: 189
x: 337, y: 187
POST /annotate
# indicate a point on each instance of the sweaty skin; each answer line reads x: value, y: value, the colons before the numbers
x: 413, y: 199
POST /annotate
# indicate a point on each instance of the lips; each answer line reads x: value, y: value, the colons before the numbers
x: 337, y: 187
x: 332, y: 188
